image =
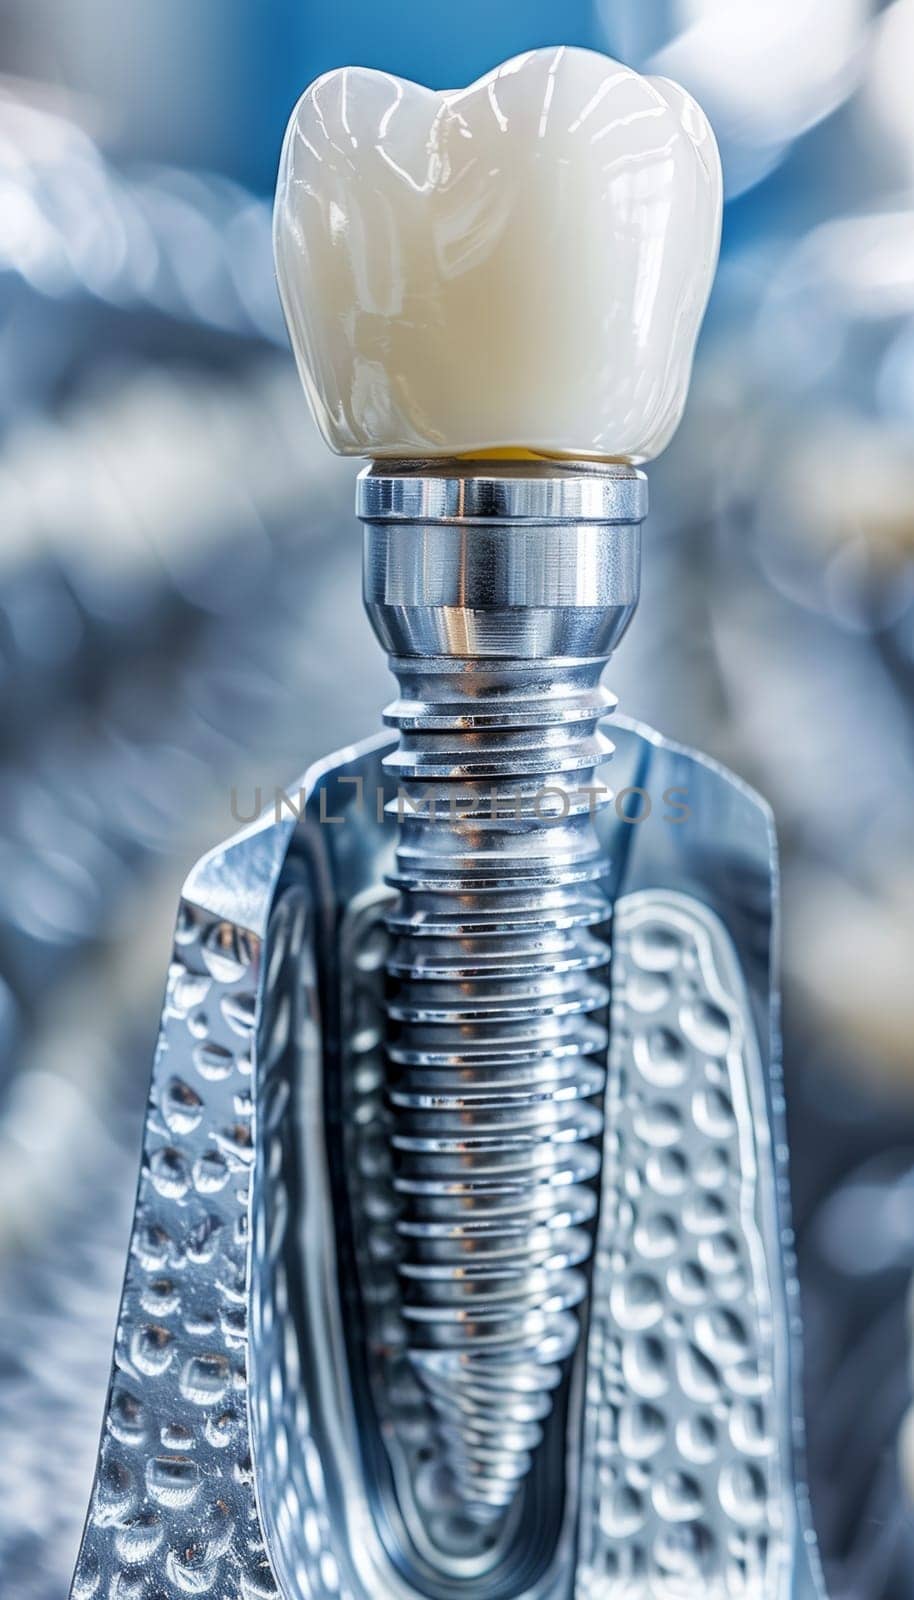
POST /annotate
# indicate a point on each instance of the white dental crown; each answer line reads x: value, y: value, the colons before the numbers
x: 521, y: 264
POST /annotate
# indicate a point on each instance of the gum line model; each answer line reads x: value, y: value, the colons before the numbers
x: 461, y: 1262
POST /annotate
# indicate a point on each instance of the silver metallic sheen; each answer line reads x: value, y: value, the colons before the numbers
x: 499, y: 625
x: 503, y: 491
x: 235, y: 1458
x: 407, y: 1118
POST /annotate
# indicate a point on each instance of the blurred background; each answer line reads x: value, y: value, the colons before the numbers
x: 180, y: 618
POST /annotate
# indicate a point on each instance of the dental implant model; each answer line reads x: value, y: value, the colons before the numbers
x: 458, y: 1264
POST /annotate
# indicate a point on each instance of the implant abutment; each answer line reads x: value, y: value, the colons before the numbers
x: 499, y: 599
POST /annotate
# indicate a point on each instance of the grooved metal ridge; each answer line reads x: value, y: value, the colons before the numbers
x: 516, y: 492
x: 496, y: 1044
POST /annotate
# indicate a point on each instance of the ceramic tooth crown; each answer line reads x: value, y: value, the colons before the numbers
x: 524, y: 262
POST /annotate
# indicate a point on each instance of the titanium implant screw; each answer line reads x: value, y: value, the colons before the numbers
x: 498, y: 997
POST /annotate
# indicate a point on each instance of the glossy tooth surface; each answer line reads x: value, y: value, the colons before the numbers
x: 524, y: 262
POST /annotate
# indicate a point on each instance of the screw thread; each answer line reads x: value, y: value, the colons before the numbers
x: 496, y: 1043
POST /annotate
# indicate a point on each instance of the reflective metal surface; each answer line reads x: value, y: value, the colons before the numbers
x: 238, y: 1453
x: 497, y: 1000
x: 499, y: 491
x: 689, y: 1307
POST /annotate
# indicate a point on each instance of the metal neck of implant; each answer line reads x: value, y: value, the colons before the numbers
x: 507, y: 559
